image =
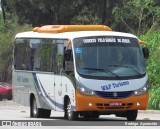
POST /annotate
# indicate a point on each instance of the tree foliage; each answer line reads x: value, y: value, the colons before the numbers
x: 153, y: 67
x: 7, y: 33
x: 122, y: 15
x: 138, y: 16
x: 40, y: 12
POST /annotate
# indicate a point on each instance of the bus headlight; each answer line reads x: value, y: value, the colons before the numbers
x: 142, y: 90
x: 84, y: 90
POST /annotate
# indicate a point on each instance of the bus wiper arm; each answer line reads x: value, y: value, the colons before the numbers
x: 103, y: 70
x: 116, y: 65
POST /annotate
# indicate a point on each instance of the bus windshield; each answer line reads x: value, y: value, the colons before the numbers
x: 109, y: 56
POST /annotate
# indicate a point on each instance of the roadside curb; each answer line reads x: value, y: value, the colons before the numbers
x: 149, y: 111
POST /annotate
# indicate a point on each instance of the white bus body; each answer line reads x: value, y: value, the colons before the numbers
x: 78, y: 73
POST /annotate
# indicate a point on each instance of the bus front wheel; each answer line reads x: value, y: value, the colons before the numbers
x: 132, y: 115
x: 70, y: 115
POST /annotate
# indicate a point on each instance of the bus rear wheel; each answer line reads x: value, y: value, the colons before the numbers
x: 39, y: 112
x: 36, y: 112
x: 70, y: 115
x: 132, y: 115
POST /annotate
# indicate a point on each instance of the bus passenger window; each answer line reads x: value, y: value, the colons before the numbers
x: 58, y: 58
x: 21, y: 56
x: 34, y: 56
x: 36, y: 59
x: 46, y: 57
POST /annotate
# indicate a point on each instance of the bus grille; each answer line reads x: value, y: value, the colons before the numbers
x: 115, y: 95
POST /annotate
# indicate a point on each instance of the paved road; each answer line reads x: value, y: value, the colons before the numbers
x: 10, y: 110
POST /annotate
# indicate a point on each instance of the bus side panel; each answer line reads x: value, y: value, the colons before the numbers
x: 54, y: 88
x: 46, y: 86
x: 58, y: 93
x: 25, y: 84
x: 42, y: 86
x: 67, y: 88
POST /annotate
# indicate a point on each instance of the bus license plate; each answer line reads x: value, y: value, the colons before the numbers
x: 115, y: 104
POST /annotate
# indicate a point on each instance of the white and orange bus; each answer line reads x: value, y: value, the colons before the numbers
x: 83, y: 70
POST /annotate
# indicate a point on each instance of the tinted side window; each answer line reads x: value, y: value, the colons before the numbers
x: 22, y: 52
x: 58, y: 58
x: 46, y: 57
x: 39, y: 55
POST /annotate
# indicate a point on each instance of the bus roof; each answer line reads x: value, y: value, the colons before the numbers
x: 72, y: 35
x: 71, y: 32
x: 70, y: 28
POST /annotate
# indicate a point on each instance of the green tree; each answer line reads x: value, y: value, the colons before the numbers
x: 153, y: 67
x: 7, y: 33
x: 40, y: 12
x: 136, y: 16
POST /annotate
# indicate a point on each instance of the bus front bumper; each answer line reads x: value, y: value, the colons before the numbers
x: 96, y: 103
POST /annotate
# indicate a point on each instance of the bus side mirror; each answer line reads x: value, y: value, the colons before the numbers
x: 67, y: 54
x: 145, y: 52
x: 68, y: 60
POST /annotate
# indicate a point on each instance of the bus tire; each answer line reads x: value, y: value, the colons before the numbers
x: 36, y: 112
x: 69, y: 114
x: 46, y: 113
x: 132, y: 115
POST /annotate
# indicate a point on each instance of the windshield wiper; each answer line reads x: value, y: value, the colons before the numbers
x: 116, y: 65
x: 103, y: 70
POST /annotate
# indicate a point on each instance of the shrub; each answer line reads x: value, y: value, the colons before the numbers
x: 153, y: 68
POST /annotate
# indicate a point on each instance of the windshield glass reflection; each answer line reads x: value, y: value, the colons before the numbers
x: 109, y: 59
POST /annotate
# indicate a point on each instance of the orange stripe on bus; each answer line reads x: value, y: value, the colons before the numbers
x: 90, y: 103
